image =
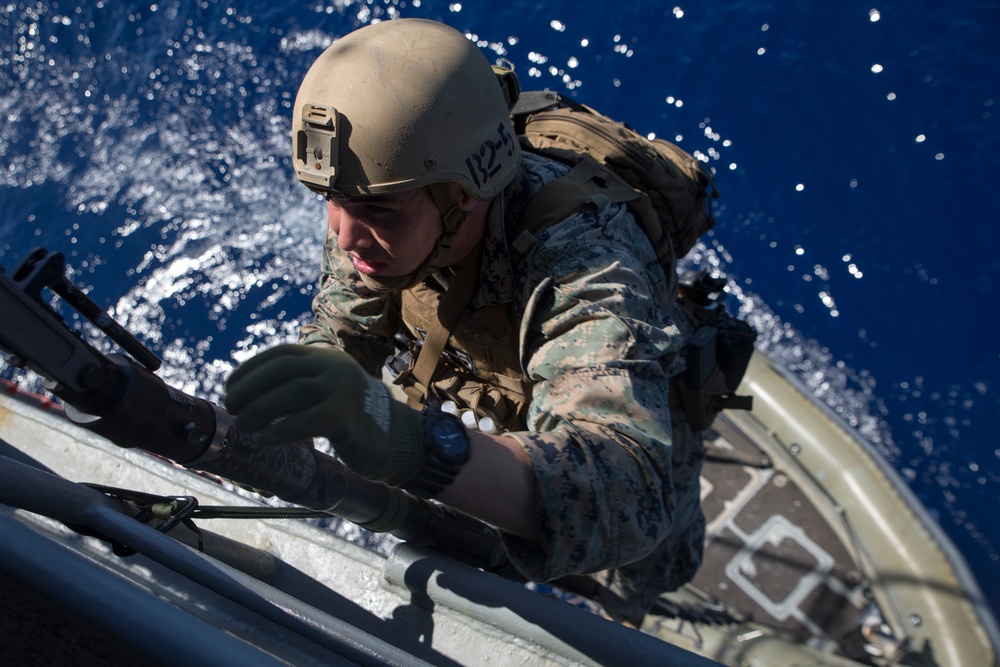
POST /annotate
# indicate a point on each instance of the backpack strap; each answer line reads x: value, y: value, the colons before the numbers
x: 588, y: 184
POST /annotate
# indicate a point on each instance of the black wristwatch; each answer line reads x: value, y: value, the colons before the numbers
x: 447, y: 451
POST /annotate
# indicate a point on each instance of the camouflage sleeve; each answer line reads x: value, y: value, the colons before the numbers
x: 598, y: 347
x: 349, y: 315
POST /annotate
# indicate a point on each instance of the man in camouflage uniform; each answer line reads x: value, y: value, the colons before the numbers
x: 570, y: 348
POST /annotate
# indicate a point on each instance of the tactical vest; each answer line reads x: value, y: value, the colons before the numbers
x: 480, y: 370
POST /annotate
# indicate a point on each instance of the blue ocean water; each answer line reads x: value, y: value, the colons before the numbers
x: 857, y: 148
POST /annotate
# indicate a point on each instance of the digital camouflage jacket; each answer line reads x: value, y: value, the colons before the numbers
x: 616, y: 474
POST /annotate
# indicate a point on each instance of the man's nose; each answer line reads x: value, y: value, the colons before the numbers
x: 352, y: 233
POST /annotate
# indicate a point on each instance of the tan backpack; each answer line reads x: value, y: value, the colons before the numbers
x: 668, y: 190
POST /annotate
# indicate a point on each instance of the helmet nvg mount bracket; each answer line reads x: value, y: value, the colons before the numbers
x: 316, y: 162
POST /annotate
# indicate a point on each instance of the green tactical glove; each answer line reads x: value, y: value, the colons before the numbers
x: 293, y: 392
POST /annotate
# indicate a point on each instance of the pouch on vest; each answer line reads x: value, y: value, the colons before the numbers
x: 455, y: 380
x: 717, y: 353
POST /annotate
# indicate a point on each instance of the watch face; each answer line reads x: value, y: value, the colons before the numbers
x: 451, y: 440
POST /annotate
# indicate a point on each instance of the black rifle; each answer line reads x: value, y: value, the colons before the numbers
x: 120, y: 398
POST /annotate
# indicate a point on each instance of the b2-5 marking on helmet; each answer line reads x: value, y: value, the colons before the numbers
x: 482, y: 173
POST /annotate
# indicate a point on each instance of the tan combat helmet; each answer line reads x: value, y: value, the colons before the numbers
x: 401, y: 104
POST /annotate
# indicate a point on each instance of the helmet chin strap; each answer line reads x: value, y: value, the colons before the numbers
x: 452, y: 217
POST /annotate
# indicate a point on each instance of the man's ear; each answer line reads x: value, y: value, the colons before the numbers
x: 464, y: 200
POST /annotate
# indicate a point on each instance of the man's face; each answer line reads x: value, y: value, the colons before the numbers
x: 386, y: 235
